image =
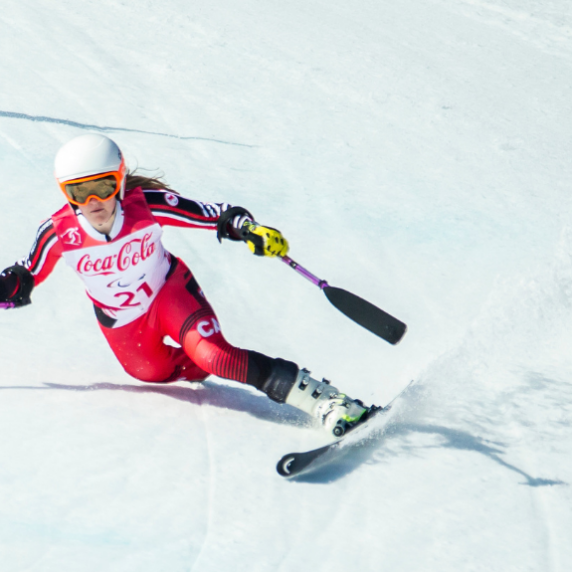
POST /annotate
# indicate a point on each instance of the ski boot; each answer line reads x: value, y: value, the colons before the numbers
x: 334, y: 410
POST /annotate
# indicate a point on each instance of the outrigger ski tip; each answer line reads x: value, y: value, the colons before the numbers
x: 361, y: 311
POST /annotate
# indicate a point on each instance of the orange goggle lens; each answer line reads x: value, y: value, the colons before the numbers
x: 101, y: 187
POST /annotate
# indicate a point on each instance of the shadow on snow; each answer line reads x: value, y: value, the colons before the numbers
x: 201, y: 393
x: 348, y: 459
x: 365, y: 451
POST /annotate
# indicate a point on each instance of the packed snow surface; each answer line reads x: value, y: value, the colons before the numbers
x: 417, y: 153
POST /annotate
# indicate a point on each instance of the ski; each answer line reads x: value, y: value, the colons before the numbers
x: 295, y: 464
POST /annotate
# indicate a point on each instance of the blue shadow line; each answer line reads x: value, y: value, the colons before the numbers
x: 44, y: 119
x: 206, y: 393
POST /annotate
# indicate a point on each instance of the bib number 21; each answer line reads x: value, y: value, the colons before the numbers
x: 129, y: 302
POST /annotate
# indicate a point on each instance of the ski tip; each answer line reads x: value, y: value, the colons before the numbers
x: 284, y: 465
x: 398, y: 335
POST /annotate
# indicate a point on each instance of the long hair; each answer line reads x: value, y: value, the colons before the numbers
x: 132, y: 181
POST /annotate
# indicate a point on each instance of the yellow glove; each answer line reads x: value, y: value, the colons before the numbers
x: 263, y: 240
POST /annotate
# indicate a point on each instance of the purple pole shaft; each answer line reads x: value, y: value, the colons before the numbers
x: 305, y: 273
x: 6, y: 305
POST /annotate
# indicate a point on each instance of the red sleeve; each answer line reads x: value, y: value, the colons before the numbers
x: 174, y: 210
x: 45, y: 253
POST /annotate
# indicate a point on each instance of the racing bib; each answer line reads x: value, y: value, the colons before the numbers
x: 122, y: 277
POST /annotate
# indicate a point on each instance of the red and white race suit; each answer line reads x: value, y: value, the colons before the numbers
x: 142, y: 293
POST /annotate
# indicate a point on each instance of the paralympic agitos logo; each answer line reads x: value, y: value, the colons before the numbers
x: 130, y: 254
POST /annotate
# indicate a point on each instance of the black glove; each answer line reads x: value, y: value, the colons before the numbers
x: 230, y: 222
x: 16, y: 285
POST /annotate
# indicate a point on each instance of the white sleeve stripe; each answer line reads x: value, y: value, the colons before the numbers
x: 239, y: 220
x: 45, y: 251
x: 43, y: 227
x: 203, y: 208
x: 186, y: 220
x: 48, y: 222
x: 214, y: 210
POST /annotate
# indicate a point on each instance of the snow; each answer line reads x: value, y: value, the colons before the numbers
x: 415, y: 153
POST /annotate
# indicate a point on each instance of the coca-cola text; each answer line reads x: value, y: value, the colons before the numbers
x: 131, y: 254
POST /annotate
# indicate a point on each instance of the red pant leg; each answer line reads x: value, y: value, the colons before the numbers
x: 140, y: 350
x: 186, y: 316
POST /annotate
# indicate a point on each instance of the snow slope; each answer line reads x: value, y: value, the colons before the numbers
x: 415, y: 153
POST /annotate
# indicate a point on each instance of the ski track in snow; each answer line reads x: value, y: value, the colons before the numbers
x: 210, y: 494
x: 27, y: 156
x: 43, y: 119
x: 538, y: 31
x: 544, y: 527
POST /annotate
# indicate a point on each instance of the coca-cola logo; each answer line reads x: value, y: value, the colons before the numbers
x: 130, y: 254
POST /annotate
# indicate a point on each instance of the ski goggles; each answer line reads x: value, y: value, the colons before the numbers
x: 101, y: 187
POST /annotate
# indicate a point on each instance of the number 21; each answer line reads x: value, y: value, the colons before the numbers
x: 129, y: 296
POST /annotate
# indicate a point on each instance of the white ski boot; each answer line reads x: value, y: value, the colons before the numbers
x: 334, y: 410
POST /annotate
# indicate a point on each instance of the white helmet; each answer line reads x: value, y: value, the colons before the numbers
x: 85, y: 157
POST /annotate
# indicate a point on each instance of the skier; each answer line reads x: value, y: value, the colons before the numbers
x: 109, y: 232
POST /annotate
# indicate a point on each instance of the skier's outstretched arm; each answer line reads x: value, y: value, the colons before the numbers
x: 231, y: 222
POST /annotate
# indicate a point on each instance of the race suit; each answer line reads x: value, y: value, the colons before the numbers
x: 141, y: 293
